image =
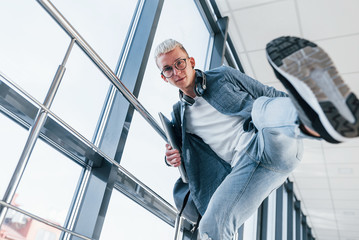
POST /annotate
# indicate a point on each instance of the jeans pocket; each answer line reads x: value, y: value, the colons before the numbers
x: 254, y: 151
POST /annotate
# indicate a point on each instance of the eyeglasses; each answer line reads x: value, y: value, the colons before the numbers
x: 180, y: 64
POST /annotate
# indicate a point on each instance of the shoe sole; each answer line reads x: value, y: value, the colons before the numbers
x: 313, y: 81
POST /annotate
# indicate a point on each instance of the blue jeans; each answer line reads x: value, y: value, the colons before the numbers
x: 272, y: 155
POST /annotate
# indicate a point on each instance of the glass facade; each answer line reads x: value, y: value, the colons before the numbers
x: 159, y: 96
x: 81, y: 148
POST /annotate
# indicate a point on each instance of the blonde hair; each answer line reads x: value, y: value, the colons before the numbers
x: 167, y: 46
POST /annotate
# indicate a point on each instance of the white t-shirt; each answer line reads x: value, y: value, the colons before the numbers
x: 223, y: 133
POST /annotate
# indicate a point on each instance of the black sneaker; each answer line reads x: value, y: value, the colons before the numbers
x: 324, y: 102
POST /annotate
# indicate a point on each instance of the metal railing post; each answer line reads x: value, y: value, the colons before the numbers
x: 34, y: 134
x: 179, y: 228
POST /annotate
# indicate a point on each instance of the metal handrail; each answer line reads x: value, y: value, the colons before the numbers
x: 75, y: 36
x: 70, y: 30
x: 88, y: 143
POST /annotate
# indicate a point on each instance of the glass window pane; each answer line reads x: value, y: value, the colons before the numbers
x: 103, y: 24
x: 48, y: 184
x: 148, y: 163
x: 81, y: 94
x: 125, y: 219
x: 250, y: 227
x: 271, y: 216
x: 12, y: 141
x: 18, y: 226
x: 32, y: 45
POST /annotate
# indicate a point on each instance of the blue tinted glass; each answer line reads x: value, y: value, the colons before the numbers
x: 48, y: 184
x: 124, y: 218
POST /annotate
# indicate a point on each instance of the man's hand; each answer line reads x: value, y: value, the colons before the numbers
x: 173, y: 156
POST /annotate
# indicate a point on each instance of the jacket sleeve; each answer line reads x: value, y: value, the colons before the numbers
x: 253, y: 87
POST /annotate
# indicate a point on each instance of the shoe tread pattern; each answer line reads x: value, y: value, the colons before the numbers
x: 344, y: 127
x: 286, y: 53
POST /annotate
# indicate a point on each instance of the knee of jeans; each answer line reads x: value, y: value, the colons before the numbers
x: 202, y: 230
x: 205, y: 236
x: 259, y: 106
x: 207, y: 229
x: 270, y: 112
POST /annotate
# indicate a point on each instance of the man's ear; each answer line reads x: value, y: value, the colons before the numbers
x: 164, y: 78
x: 192, y: 62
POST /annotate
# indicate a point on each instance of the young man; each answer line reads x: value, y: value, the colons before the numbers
x: 241, y: 139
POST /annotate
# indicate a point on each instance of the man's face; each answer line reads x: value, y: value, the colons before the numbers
x: 171, y: 63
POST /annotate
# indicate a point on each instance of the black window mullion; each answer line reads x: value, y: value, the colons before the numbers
x: 304, y: 228
x: 262, y: 227
x: 119, y: 119
x: 297, y: 219
x: 279, y: 214
x: 219, y: 45
x: 289, y: 188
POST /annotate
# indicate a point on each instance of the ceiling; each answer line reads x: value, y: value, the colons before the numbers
x: 327, y: 181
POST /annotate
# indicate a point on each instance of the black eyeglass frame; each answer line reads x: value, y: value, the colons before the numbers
x: 175, y: 65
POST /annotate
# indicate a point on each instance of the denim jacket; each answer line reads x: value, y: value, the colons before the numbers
x: 232, y: 93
